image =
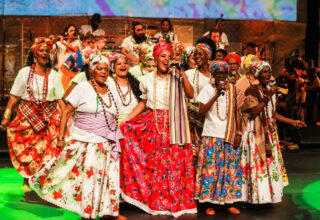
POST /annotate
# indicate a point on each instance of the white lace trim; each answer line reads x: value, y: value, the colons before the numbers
x: 153, y: 212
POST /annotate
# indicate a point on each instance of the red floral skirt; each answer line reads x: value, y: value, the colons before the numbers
x: 156, y: 176
x: 27, y: 149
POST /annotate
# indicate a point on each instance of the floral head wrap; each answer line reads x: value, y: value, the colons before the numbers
x: 257, y: 66
x: 38, y: 41
x: 113, y: 57
x: 246, y: 62
x: 178, y: 47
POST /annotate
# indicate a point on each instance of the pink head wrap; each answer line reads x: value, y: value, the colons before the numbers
x: 159, y: 48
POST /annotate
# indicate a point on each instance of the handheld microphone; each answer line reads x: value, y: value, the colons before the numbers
x: 222, y: 91
x: 272, y: 83
x: 172, y: 64
x: 233, y: 73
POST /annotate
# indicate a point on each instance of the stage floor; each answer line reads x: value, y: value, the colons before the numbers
x: 301, y: 198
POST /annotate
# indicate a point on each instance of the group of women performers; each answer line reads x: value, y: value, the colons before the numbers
x: 132, y: 139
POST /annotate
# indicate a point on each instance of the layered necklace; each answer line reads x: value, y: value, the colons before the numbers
x: 105, y: 106
x: 123, y: 95
x: 165, y: 103
x: 40, y: 103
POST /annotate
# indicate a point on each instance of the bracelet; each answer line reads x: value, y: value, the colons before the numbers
x: 7, y: 114
x: 60, y: 138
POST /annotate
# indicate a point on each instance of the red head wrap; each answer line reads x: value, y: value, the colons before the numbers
x: 234, y: 56
x: 159, y: 48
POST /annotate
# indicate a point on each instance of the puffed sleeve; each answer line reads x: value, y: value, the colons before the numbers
x: 56, y: 92
x: 74, y: 97
x: 206, y: 94
x: 143, y: 88
x: 20, y: 82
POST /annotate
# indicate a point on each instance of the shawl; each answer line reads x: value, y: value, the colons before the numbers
x: 96, y: 124
x: 178, y: 117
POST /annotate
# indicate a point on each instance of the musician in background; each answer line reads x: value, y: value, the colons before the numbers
x: 93, y: 27
x: 218, y: 35
x: 74, y: 64
x: 66, y: 44
x: 166, y: 34
x: 138, y: 36
x: 223, y: 41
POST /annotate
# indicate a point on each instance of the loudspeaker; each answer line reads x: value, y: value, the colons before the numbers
x: 309, y: 136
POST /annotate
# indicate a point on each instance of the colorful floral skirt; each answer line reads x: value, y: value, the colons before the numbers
x: 262, y: 181
x: 218, y: 175
x: 155, y: 176
x: 83, y: 179
x: 27, y: 149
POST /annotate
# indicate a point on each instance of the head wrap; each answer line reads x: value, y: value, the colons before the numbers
x: 95, y: 58
x: 38, y: 41
x: 257, y: 66
x: 206, y: 48
x: 138, y: 48
x: 246, y: 62
x: 159, y: 48
x: 218, y: 64
x: 113, y: 57
x: 188, y: 53
x: 234, y: 56
x: 178, y: 47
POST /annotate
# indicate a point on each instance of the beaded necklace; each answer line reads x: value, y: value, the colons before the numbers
x: 266, y: 106
x: 196, y: 83
x: 155, y: 103
x: 123, y: 96
x: 227, y: 106
x: 39, y: 104
x: 104, y: 105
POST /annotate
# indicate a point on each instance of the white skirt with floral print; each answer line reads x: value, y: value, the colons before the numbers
x: 83, y: 179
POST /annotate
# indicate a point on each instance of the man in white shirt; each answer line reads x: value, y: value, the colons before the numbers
x: 93, y: 27
x: 223, y: 41
x: 138, y: 36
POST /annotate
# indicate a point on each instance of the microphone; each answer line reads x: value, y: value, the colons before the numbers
x: 222, y: 91
x: 272, y: 83
x: 233, y: 73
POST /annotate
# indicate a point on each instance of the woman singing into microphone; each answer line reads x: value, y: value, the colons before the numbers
x: 218, y: 175
x: 261, y: 161
x: 157, y: 173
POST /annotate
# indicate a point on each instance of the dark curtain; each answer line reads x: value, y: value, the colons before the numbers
x: 312, y: 34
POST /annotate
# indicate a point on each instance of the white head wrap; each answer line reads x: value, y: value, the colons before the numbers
x: 96, y: 58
